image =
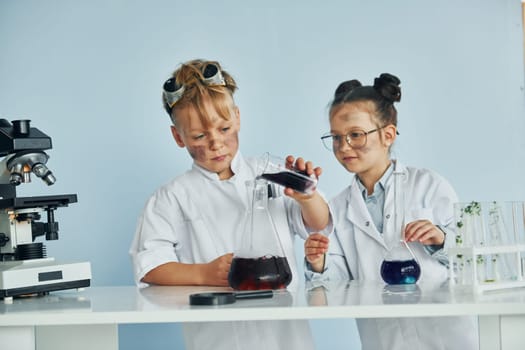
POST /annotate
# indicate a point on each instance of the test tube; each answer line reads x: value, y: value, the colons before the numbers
x: 521, y: 275
x: 498, y: 232
x: 460, y: 225
x: 473, y: 222
x: 518, y: 220
x: 459, y: 267
x: 481, y: 268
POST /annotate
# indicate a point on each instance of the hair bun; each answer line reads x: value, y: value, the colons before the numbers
x: 388, y: 86
x: 346, y: 86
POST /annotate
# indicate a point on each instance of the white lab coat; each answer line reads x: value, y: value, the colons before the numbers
x: 357, y: 250
x: 196, y: 218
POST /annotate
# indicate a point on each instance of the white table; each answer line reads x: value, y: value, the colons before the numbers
x: 89, y: 319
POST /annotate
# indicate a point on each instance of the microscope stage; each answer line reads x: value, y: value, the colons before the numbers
x: 38, y: 201
x: 40, y: 276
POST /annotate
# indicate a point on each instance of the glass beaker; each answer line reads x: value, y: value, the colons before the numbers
x: 273, y: 169
x: 259, y: 262
x: 399, y: 265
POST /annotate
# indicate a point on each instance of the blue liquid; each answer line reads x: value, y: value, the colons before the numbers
x: 400, y: 272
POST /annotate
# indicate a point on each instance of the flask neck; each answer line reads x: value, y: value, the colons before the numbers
x: 399, y: 203
x: 260, y: 194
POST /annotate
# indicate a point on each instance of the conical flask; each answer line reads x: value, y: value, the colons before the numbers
x: 399, y: 265
x: 259, y: 262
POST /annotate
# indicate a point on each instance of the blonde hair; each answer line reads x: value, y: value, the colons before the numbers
x: 196, y: 92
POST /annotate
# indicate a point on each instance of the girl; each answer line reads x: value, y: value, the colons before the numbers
x: 190, y: 226
x: 363, y: 123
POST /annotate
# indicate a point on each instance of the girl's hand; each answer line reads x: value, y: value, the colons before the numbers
x: 425, y: 232
x: 306, y: 167
x: 315, y: 248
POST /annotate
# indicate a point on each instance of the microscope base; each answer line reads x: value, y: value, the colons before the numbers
x: 40, y: 276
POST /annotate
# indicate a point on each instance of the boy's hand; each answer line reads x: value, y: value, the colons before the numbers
x: 303, y: 166
x: 215, y: 273
x: 315, y: 248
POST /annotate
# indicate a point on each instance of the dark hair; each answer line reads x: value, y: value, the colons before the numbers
x: 382, y: 95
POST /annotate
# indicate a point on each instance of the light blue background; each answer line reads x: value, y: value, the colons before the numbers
x: 89, y: 74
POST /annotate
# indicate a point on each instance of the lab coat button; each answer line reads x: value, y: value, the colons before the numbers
x: 367, y: 223
x: 388, y: 216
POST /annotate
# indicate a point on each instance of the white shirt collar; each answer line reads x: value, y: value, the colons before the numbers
x: 379, y: 185
x: 235, y: 166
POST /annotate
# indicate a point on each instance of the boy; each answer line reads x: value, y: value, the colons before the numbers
x: 191, y: 226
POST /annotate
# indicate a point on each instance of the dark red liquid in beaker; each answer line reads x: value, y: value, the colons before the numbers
x: 291, y: 180
x: 400, y: 272
x: 262, y: 273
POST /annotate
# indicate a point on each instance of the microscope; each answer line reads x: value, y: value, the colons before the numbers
x: 24, y: 267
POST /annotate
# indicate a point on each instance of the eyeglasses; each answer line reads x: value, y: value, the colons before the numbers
x: 212, y: 77
x: 355, y: 139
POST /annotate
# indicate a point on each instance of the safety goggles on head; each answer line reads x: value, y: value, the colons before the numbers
x: 212, y: 77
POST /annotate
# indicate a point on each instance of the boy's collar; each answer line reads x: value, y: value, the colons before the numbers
x: 235, y: 166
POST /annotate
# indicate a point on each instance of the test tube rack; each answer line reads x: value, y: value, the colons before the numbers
x: 470, y: 276
x: 490, y: 246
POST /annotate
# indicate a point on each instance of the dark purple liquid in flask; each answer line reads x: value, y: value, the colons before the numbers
x: 267, y: 272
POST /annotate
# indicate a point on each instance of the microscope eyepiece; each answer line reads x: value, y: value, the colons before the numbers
x: 21, y: 127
